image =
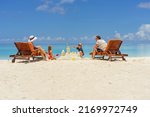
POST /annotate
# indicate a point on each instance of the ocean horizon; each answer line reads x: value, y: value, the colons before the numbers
x: 136, y: 50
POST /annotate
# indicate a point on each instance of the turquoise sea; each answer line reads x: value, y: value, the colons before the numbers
x: 134, y: 50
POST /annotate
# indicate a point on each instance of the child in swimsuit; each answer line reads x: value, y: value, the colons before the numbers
x: 50, y: 53
x: 80, y: 49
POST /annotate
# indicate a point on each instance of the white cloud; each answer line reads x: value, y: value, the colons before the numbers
x: 117, y: 35
x: 53, y: 6
x: 83, y: 38
x: 57, y: 9
x: 66, y: 1
x: 44, y: 6
x: 59, y: 39
x: 145, y: 5
x: 143, y: 33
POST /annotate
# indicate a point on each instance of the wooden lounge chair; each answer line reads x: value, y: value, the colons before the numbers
x: 26, y: 50
x: 112, y: 50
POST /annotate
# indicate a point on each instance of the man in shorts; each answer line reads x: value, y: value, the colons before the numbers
x: 100, y: 46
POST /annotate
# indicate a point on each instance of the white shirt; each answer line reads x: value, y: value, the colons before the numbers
x: 102, y: 44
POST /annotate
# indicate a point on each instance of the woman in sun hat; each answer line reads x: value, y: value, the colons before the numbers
x: 31, y: 39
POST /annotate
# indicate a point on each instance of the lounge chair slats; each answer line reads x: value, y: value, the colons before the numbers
x: 113, y: 50
x: 26, y: 50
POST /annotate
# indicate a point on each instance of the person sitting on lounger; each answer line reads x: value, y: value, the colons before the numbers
x: 80, y: 49
x: 40, y: 49
x: 99, y: 46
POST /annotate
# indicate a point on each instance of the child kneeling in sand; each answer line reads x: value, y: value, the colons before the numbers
x: 80, y: 49
x: 50, y: 53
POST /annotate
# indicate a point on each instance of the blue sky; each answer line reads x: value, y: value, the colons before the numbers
x: 75, y: 19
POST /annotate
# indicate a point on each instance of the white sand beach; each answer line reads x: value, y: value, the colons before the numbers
x: 76, y: 79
